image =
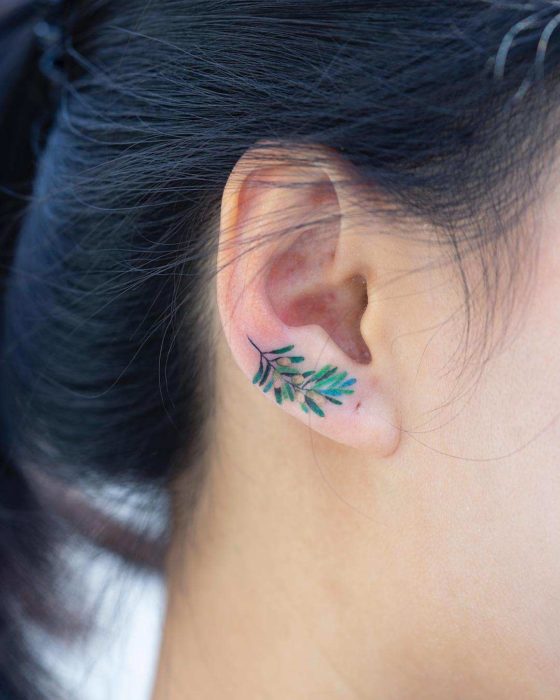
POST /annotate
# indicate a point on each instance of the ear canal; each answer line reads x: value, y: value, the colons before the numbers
x: 338, y: 310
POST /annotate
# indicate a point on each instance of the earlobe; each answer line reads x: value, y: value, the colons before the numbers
x: 290, y: 318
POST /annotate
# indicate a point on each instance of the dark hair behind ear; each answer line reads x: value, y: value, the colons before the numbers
x: 25, y: 533
x: 24, y: 107
x: 19, y: 87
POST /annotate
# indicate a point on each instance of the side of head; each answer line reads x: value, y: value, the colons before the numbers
x: 322, y: 231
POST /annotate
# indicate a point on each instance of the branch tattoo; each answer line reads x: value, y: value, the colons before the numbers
x: 312, y: 389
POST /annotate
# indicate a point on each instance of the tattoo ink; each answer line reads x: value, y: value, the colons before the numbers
x: 312, y: 389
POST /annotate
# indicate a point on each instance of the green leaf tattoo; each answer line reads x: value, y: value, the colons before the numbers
x: 313, y: 390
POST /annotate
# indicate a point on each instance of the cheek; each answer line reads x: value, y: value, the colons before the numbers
x: 478, y: 568
x: 482, y: 549
x: 471, y: 507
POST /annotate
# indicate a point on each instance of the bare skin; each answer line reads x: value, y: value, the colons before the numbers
x: 425, y: 568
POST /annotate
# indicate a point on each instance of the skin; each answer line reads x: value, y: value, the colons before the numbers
x: 410, y: 550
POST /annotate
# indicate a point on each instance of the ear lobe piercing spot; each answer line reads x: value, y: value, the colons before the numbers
x: 312, y: 389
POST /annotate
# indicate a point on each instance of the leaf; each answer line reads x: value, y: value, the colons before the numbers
x: 258, y: 375
x: 322, y: 372
x: 265, y: 375
x: 287, y: 370
x: 332, y: 380
x: 330, y: 392
x: 313, y: 406
x: 327, y: 377
x: 346, y: 391
x: 336, y: 379
x: 349, y: 382
x: 308, y: 373
x: 268, y: 387
x: 285, y: 391
x: 304, y: 408
x: 278, y: 395
x: 290, y: 391
x: 336, y: 401
x: 281, y: 351
x: 296, y: 358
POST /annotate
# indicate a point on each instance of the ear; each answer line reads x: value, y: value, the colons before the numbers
x: 294, y: 271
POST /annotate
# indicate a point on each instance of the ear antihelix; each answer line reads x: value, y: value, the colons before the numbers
x: 283, y: 371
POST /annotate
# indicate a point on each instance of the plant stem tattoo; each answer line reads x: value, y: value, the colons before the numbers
x: 310, y: 388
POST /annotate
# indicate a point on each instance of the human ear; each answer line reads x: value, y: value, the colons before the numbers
x: 292, y: 292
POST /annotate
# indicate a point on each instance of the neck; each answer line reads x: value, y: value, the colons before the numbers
x: 264, y: 594
x: 255, y: 610
x: 303, y: 572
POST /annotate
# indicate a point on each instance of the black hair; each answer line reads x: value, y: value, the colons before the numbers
x: 445, y: 107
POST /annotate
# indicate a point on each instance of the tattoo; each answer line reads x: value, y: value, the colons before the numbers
x: 310, y: 388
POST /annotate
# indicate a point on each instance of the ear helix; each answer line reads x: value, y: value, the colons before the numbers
x: 282, y: 372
